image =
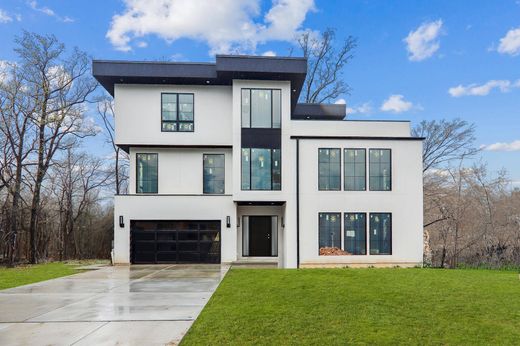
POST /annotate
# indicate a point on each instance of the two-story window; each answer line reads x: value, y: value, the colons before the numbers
x: 147, y: 173
x: 354, y: 169
x: 261, y: 169
x: 213, y: 174
x: 177, y: 112
x: 261, y: 108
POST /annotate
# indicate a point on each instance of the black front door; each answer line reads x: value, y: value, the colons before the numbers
x: 260, y: 234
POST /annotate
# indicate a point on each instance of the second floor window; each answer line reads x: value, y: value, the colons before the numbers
x: 261, y: 169
x: 380, y: 170
x: 147, y: 173
x: 177, y: 112
x: 355, y: 170
x: 261, y: 108
x: 329, y: 167
x: 213, y: 181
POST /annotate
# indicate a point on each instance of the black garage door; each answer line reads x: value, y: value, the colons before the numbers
x: 175, y: 241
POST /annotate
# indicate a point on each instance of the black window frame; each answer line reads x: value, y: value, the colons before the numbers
x: 203, y: 175
x: 177, y: 121
x: 345, y: 214
x: 345, y: 171
x: 137, y: 173
x: 340, y: 169
x: 251, y: 171
x: 391, y: 170
x: 251, y: 109
x: 340, y: 227
x: 370, y: 234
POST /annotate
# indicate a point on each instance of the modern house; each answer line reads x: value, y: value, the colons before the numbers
x: 227, y: 167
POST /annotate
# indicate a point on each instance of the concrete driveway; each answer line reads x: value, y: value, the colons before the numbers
x: 136, y: 305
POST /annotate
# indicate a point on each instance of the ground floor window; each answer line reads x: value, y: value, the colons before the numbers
x: 330, y: 233
x: 355, y: 226
x: 380, y: 234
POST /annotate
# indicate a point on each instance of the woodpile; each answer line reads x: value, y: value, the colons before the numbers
x: 332, y: 251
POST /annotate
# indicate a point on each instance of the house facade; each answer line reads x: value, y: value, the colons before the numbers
x: 227, y: 167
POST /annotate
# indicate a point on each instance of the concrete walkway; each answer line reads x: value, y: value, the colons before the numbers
x: 136, y: 305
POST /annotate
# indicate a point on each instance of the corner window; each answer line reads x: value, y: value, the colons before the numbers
x: 329, y: 233
x: 380, y: 234
x: 380, y: 170
x: 261, y: 169
x: 213, y: 171
x: 355, y: 170
x: 355, y: 225
x: 261, y: 108
x: 147, y: 173
x: 329, y: 167
x: 177, y: 112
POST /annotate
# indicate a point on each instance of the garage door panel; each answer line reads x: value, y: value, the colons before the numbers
x: 175, y: 241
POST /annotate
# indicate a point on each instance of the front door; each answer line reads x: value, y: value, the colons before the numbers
x: 260, y: 233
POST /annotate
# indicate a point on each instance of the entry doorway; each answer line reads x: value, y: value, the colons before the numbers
x: 260, y: 236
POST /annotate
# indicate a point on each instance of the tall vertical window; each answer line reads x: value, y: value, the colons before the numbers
x: 329, y: 231
x: 355, y: 170
x: 380, y: 234
x: 261, y: 108
x: 147, y: 167
x: 355, y: 225
x: 380, y: 170
x: 177, y: 112
x: 213, y: 180
x: 261, y: 169
x: 329, y: 162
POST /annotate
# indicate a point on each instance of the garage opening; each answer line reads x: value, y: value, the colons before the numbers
x: 174, y: 241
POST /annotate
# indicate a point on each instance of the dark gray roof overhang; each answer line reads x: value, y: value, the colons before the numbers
x: 316, y: 111
x: 222, y: 72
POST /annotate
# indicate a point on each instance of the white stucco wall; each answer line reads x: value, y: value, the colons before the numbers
x: 355, y: 128
x: 138, y: 115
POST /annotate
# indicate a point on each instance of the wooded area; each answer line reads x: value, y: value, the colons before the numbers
x: 56, y: 198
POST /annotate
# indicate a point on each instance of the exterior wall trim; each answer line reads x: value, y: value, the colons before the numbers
x: 361, y: 138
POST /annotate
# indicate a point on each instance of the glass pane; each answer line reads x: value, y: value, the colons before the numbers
x: 329, y: 169
x: 277, y: 169
x: 213, y: 174
x: 261, y: 108
x: 246, y: 110
x: 186, y: 127
x: 185, y: 107
x: 355, y: 233
x: 146, y: 173
x: 246, y: 169
x: 380, y: 170
x: 260, y: 169
x: 381, y: 234
x: 277, y: 109
x: 169, y: 126
x: 329, y: 233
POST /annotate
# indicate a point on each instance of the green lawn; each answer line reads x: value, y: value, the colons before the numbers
x: 23, y: 275
x: 361, y: 306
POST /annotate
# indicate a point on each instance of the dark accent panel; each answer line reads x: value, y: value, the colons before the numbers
x: 126, y: 147
x: 316, y: 111
x: 362, y: 138
x: 255, y: 203
x: 261, y: 138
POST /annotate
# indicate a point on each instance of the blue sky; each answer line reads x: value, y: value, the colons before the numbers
x: 415, y: 60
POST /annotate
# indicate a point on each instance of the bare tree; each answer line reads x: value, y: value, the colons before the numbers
x: 325, y: 65
x: 59, y: 86
x: 445, y: 141
x: 105, y: 108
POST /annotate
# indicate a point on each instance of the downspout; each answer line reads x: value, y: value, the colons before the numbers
x: 297, y: 203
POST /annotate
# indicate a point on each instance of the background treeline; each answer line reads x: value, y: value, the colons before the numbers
x: 56, y: 196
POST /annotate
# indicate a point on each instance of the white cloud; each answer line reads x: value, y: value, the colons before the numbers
x: 363, y: 109
x: 423, y: 42
x: 341, y: 102
x: 269, y: 53
x: 396, y: 104
x: 228, y: 26
x: 49, y: 12
x: 5, y: 17
x: 510, y: 44
x: 483, y: 89
x: 142, y: 44
x: 503, y: 146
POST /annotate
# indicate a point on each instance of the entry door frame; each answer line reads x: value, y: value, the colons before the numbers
x: 274, y: 233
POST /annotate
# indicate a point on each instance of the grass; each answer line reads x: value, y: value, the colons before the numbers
x: 362, y: 307
x: 28, y: 274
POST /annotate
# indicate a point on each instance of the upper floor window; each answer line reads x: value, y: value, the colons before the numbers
x: 380, y: 170
x: 355, y: 170
x: 261, y: 169
x: 380, y: 234
x: 177, y: 112
x: 261, y: 108
x: 329, y: 162
x: 213, y: 180
x: 147, y: 173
